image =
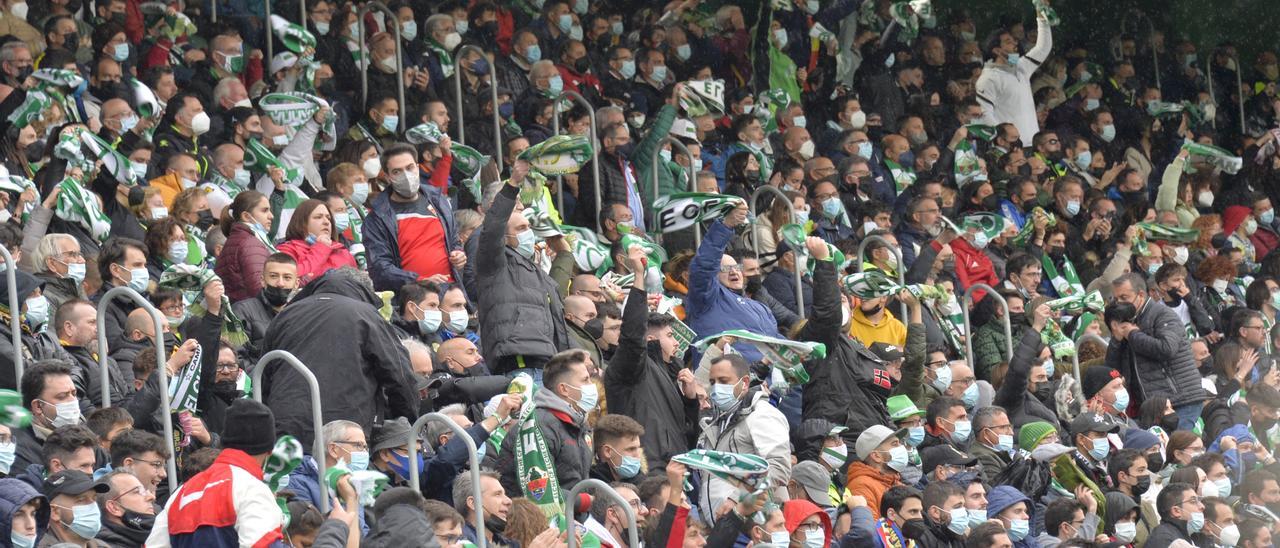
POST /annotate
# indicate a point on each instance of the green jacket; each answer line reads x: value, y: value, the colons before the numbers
x: 989, y: 347
x: 646, y: 149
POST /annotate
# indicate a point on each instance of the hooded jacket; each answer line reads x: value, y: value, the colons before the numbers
x: 754, y: 427
x: 333, y: 327
x: 1004, y: 496
x: 567, y: 435
x: 871, y: 483
x: 850, y: 385
x: 796, y: 511
x: 637, y: 384
x: 521, y: 308
x: 402, y: 526
x: 14, y: 494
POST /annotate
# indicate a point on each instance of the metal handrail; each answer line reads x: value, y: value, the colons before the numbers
x: 1075, y: 358
x: 368, y: 59
x: 317, y: 417
x: 1239, y: 92
x: 601, y: 488
x: 266, y: 19
x: 691, y: 184
x: 1151, y: 40
x: 493, y: 95
x: 1208, y: 76
x: 473, y: 458
x: 595, y: 148
x: 968, y: 331
x: 902, y: 271
x: 302, y: 12
x: 158, y: 323
x: 15, y: 313
x: 755, y: 242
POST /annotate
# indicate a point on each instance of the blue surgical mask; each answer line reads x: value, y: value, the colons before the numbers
x: 898, y: 458
x: 1049, y: 368
x: 178, y: 252
x: 1122, y: 400
x: 524, y: 243
x: 458, y: 322
x: 815, y: 538
x: 1084, y: 159
x: 1196, y: 523
x: 799, y: 121
x: 629, y: 468
x: 1224, y: 487
x: 121, y: 52
x: 659, y: 73
x: 1267, y: 216
x: 864, y: 149
x: 684, y: 52
x: 341, y: 220
x: 1013, y: 59
x: 1004, y: 442
x: 390, y: 122
x: 21, y: 541
x: 556, y: 85
x: 943, y: 377
x: 970, y: 396
x: 977, y: 516
x: 915, y: 436
x: 959, y: 521
x: 430, y: 322
x: 400, y: 464
x: 322, y: 27
x: 1073, y: 207
x: 359, y: 192
x: 243, y: 177
x: 87, y: 520
x: 628, y: 69
x: 722, y: 396
x: 831, y: 207
x: 37, y: 311
x: 533, y: 54
x: 8, y: 452
x: 962, y: 431
x: 1092, y: 104
x: 1101, y: 448
x: 127, y: 123
x: 565, y: 22
x: 359, y: 461
x: 590, y: 396
x: 1108, y: 132
x: 1019, y: 529
x: 138, y: 279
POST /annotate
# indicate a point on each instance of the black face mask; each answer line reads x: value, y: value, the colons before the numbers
x: 1056, y: 252
x: 1043, y: 392
x: 873, y: 311
x: 495, y: 524
x: 109, y: 90
x: 226, y: 390
x: 204, y: 220
x: 1134, y: 197
x: 276, y: 296
x: 1174, y: 301
x: 1017, y: 318
x: 1155, y: 461
x: 35, y: 151
x: 915, y: 529
x: 170, y: 342
x: 582, y: 65
x: 137, y: 521
x: 1169, y: 422
x: 1144, y: 483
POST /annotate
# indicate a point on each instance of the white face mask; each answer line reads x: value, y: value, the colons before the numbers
x: 66, y: 414
x: 200, y: 124
x: 371, y: 167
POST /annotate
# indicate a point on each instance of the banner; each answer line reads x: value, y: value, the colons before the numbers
x: 1221, y: 158
x: 535, y: 466
x: 184, y: 388
x: 784, y: 354
x: 684, y: 209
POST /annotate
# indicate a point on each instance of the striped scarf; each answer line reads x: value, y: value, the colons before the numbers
x: 76, y: 204
x: 1066, y: 282
x: 188, y: 278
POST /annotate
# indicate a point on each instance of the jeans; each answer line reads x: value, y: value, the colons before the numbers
x: 1188, y: 414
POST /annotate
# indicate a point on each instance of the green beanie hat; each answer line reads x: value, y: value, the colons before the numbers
x: 1031, y: 434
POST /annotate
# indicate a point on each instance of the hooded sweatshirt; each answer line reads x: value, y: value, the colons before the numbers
x: 796, y: 511
x: 15, y: 493
x: 1004, y: 496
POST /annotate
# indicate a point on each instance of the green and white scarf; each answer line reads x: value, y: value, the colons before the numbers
x: 795, y: 236
x: 785, y: 354
x: 76, y: 204
x: 1221, y: 158
x: 589, y: 252
x: 559, y: 155
x: 367, y: 483
x: 872, y: 284
x: 285, y: 457
x: 426, y: 132
x: 702, y: 97
x: 257, y: 158
x: 736, y: 468
x: 12, y: 413
x: 33, y: 109
x: 903, y: 177
x: 293, y: 109
x: 1079, y: 303
x: 189, y: 278
x: 1023, y: 237
x: 535, y: 466
x: 18, y: 184
x: 1175, y: 235
x: 355, y: 215
x: 1043, y: 9
x: 184, y: 388
x: 117, y: 164
x: 682, y: 210
x: 446, y: 60
x: 1066, y: 283
x: 967, y: 167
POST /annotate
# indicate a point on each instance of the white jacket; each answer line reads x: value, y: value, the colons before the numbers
x: 1005, y: 92
x: 758, y: 429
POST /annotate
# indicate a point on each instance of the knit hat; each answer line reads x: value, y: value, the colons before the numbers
x: 250, y: 427
x: 1137, y: 438
x: 1233, y: 217
x: 1032, y: 433
x: 1095, y: 378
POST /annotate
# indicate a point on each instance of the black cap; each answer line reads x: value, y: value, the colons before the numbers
x: 72, y: 482
x: 1093, y: 422
x: 939, y: 455
x: 250, y: 427
x: 887, y: 352
x: 1095, y: 378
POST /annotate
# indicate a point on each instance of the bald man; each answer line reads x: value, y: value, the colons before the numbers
x: 794, y: 141
x: 460, y: 356
x: 578, y: 310
x: 139, y: 333
x: 227, y: 177
x: 466, y: 380
x: 587, y: 285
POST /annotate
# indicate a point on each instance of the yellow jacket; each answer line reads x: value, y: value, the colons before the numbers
x: 888, y: 331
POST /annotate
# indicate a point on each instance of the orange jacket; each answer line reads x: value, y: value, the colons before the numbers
x: 871, y: 484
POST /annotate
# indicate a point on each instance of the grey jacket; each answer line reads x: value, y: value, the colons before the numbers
x: 1159, y: 355
x: 521, y: 309
x: 59, y: 290
x: 756, y: 428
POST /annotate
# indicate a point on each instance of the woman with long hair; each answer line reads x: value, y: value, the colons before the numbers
x: 309, y: 239
x: 245, y: 223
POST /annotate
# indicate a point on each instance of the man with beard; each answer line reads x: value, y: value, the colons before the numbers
x: 1048, y: 148
x: 279, y: 280
x: 646, y: 379
x: 226, y: 384
x: 578, y: 310
x: 128, y: 510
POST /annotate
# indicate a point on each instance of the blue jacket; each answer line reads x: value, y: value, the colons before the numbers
x: 13, y: 494
x: 304, y: 481
x: 383, y: 248
x: 782, y: 286
x: 1004, y: 496
x: 712, y: 307
x: 1013, y: 213
x: 908, y: 238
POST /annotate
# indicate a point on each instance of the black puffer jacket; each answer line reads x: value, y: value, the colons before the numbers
x: 334, y: 328
x: 1159, y: 354
x: 1023, y: 407
x: 257, y: 315
x: 849, y: 386
x: 637, y: 384
x: 402, y: 526
x: 566, y: 433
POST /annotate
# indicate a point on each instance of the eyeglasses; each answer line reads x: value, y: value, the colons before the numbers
x: 1192, y: 500
x: 157, y: 464
x: 229, y: 366
x: 358, y: 445
x: 637, y: 505
x: 1254, y: 326
x: 807, y: 527
x: 139, y: 490
x: 173, y: 309
x: 725, y: 269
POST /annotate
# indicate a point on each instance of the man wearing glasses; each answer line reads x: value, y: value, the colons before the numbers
x: 128, y: 510
x: 345, y: 445
x: 61, y: 267
x: 143, y: 455
x: 1181, y: 515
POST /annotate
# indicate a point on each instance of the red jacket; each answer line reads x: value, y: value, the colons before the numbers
x: 315, y: 259
x: 225, y: 505
x: 240, y: 263
x: 1263, y: 240
x: 972, y: 266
